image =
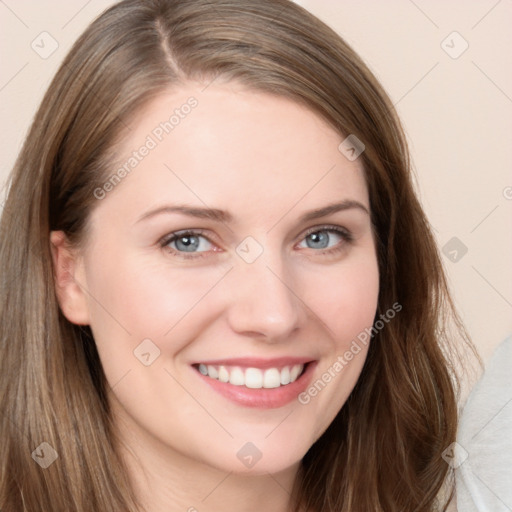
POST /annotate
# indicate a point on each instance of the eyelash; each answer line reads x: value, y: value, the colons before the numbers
x: 164, y: 242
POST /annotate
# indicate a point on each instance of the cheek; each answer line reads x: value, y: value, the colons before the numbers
x: 132, y: 299
x: 345, y: 300
x: 345, y: 297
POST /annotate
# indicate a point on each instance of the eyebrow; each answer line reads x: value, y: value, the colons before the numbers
x: 333, y: 208
x: 225, y: 217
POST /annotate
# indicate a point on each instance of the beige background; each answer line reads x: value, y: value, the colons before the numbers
x: 456, y: 112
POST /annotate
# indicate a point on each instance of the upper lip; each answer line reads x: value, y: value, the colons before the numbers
x: 255, y: 362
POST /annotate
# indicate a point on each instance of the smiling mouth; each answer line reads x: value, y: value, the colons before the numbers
x: 253, y: 378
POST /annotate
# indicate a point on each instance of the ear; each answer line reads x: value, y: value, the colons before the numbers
x: 69, y: 279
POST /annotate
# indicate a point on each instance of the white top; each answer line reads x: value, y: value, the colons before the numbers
x: 483, y: 456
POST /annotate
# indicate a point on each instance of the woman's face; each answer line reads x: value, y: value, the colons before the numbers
x: 239, y: 245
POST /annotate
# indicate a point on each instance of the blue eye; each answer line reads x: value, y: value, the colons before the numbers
x: 194, y: 244
x: 325, y: 238
x: 188, y: 241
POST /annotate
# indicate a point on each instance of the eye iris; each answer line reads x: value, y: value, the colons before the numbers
x: 318, y: 240
x: 187, y: 243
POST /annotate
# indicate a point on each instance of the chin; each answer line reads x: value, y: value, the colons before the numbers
x: 256, y: 459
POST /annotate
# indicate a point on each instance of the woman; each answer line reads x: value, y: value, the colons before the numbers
x: 220, y: 291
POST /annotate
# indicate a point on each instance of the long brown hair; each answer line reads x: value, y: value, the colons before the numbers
x: 383, y: 452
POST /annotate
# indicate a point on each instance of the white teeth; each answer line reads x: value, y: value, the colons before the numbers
x: 271, y: 378
x: 253, y: 378
x: 212, y: 372
x: 223, y: 374
x: 285, y: 376
x: 294, y: 372
x: 236, y: 377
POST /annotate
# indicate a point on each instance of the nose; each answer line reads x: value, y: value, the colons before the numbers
x: 263, y: 302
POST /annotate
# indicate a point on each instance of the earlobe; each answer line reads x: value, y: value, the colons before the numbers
x: 69, y: 279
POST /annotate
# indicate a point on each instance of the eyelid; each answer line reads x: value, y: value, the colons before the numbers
x: 182, y: 232
x: 327, y: 227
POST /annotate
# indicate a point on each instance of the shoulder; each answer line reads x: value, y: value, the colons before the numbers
x: 484, y: 439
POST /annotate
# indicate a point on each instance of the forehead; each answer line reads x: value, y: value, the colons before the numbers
x: 230, y: 147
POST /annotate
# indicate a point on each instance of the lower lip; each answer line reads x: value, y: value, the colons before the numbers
x: 264, y: 398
